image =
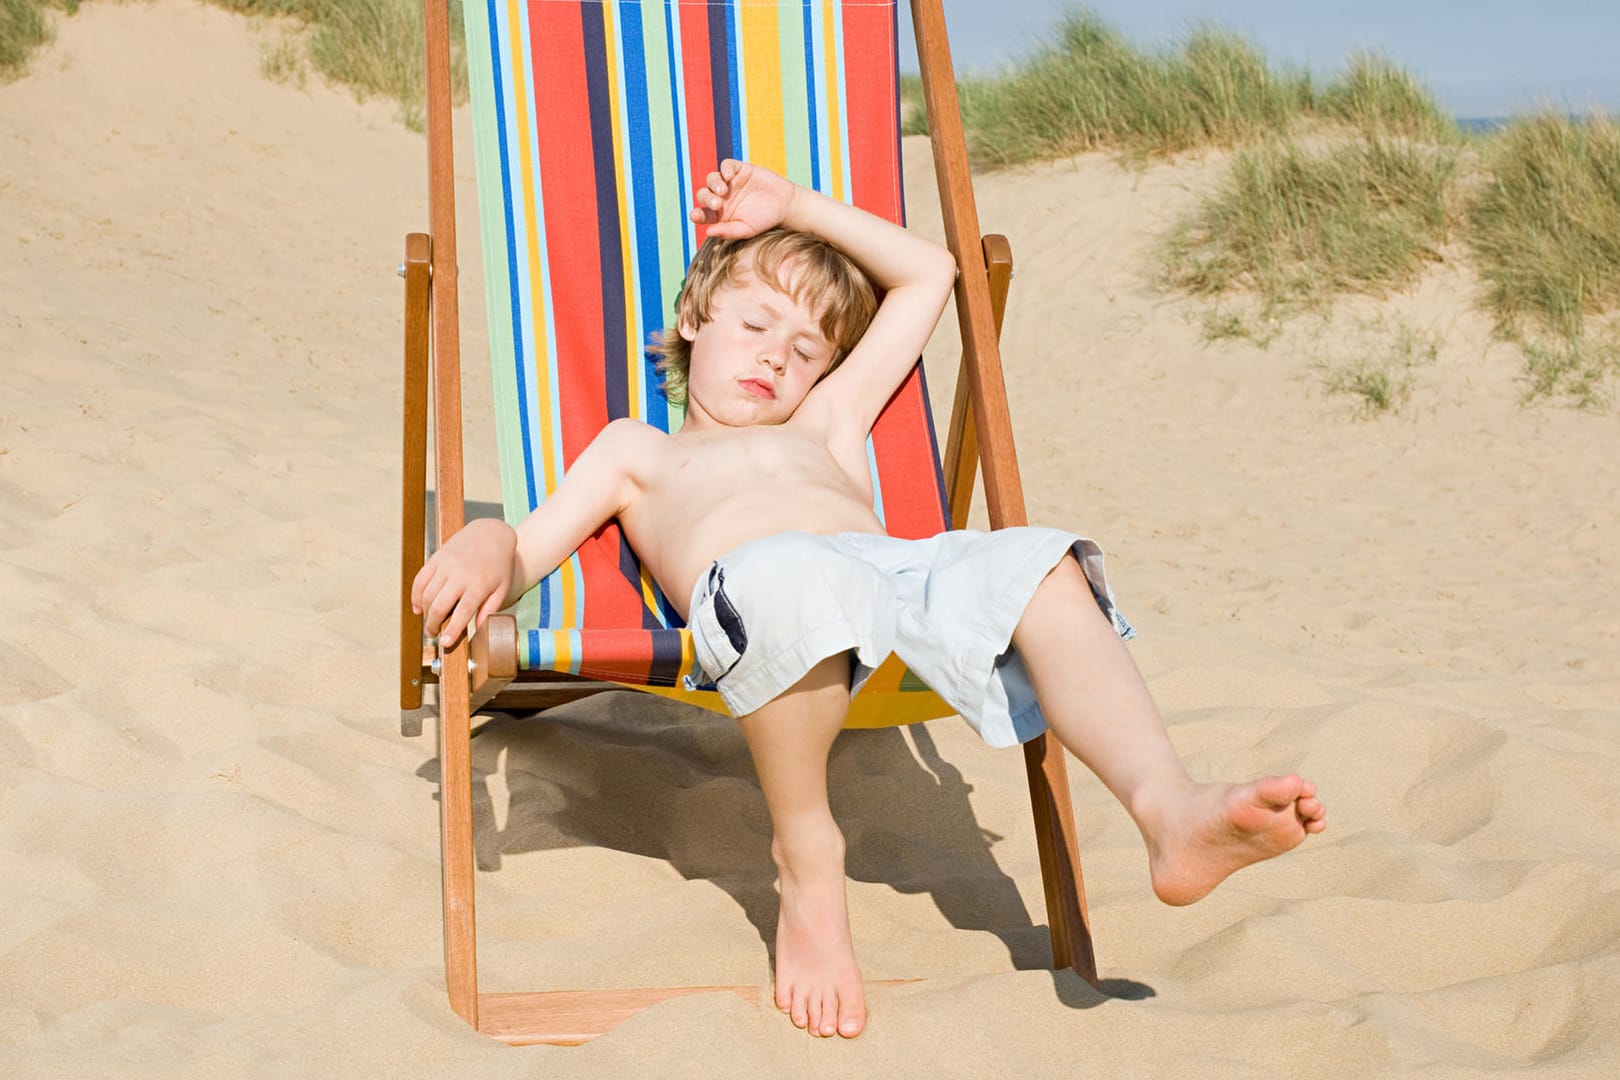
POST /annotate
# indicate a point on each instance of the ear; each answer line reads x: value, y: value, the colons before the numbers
x: 687, y: 329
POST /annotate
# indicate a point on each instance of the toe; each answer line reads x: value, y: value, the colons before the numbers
x: 829, y: 1014
x: 800, y: 1012
x: 851, y: 1023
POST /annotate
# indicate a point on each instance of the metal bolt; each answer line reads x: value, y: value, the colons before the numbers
x: 401, y: 269
x: 437, y: 665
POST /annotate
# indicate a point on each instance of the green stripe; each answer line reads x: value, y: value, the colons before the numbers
x: 497, y: 290
x: 795, y: 103
x: 672, y: 204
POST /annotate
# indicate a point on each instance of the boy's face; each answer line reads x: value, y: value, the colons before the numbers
x: 757, y: 356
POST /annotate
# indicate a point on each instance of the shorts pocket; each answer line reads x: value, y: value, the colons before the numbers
x: 720, y: 638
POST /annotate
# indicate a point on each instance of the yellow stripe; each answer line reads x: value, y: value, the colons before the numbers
x: 834, y: 98
x: 759, y: 28
x: 647, y: 596
x: 632, y: 350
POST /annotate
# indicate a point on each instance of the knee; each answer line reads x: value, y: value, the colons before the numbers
x: 1064, y: 583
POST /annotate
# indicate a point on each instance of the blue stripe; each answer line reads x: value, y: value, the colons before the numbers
x: 933, y: 445
x: 877, y: 485
x: 810, y: 97
x: 677, y: 97
x: 739, y: 145
x: 643, y: 198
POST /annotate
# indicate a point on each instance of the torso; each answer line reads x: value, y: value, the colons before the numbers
x: 697, y: 496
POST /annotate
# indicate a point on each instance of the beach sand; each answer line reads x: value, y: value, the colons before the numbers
x: 221, y: 855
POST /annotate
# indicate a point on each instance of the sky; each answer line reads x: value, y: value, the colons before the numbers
x: 1486, y: 58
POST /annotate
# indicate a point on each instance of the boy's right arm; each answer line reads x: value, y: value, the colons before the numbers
x: 488, y: 565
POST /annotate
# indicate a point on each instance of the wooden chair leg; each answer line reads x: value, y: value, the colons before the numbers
x: 1067, y: 917
x: 1066, y: 914
x: 413, y: 502
x: 456, y: 836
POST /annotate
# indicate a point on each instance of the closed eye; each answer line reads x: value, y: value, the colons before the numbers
x: 752, y: 328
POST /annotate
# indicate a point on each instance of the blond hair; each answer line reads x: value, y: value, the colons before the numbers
x: 820, y: 275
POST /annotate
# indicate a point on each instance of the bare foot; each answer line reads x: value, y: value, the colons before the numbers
x: 817, y: 981
x: 1214, y: 829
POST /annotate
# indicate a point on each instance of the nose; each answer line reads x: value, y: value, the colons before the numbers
x: 774, y: 353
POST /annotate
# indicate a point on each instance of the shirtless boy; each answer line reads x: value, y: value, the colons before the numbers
x: 760, y: 511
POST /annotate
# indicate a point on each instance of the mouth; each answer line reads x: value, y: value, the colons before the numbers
x: 757, y: 388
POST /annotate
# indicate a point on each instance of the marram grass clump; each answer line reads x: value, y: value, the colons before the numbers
x: 1375, y: 96
x: 1293, y: 226
x: 1092, y: 88
x: 374, y: 47
x: 24, y: 27
x: 1545, y: 232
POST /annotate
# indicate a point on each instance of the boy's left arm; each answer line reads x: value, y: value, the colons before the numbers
x: 916, y: 274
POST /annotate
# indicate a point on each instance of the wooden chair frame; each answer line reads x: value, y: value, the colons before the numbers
x: 485, y: 673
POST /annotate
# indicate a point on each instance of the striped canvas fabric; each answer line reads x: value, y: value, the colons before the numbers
x: 592, y: 121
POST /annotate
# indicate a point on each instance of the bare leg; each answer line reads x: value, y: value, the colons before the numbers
x: 817, y: 981
x: 1098, y: 706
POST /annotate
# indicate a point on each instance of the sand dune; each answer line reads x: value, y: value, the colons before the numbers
x: 220, y: 855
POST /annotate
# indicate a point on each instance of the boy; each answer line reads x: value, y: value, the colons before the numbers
x: 760, y: 511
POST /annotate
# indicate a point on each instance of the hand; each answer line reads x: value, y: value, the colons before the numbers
x: 465, y: 580
x: 742, y: 200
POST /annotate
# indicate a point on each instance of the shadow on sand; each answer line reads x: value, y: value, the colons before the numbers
x: 682, y: 789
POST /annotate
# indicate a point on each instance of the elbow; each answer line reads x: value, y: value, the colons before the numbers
x: 943, y: 273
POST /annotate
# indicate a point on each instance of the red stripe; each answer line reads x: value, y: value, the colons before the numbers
x: 562, y: 117
x: 901, y: 440
x: 696, y: 74
x: 873, y: 136
x: 622, y: 655
x: 567, y: 175
x: 903, y: 447
x: 610, y: 600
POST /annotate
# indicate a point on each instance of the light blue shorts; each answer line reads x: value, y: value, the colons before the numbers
x: 770, y: 610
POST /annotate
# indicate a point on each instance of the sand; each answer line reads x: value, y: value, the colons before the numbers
x: 220, y: 854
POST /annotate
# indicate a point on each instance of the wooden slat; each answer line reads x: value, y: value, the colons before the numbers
x: 1003, y: 490
x: 413, y: 509
x: 961, y: 462
x: 455, y: 748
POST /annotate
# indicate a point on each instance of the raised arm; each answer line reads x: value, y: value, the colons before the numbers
x: 488, y: 565
x: 741, y: 200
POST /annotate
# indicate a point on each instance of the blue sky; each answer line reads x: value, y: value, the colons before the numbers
x: 1484, y: 58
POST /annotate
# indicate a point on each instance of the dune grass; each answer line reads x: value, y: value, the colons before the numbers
x: 1374, y: 95
x: 374, y: 47
x: 1545, y: 232
x: 1091, y: 88
x: 24, y: 27
x: 1295, y: 226
x: 1380, y: 371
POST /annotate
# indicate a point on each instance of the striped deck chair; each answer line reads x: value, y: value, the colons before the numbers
x: 592, y: 120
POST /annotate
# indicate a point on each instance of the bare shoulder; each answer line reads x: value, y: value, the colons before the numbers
x: 625, y: 450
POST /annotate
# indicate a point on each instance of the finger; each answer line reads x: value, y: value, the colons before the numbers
x: 491, y: 606
x: 424, y: 601
x: 459, y: 618
x: 729, y: 167
x: 416, y: 590
x: 716, y: 183
x: 439, y: 607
